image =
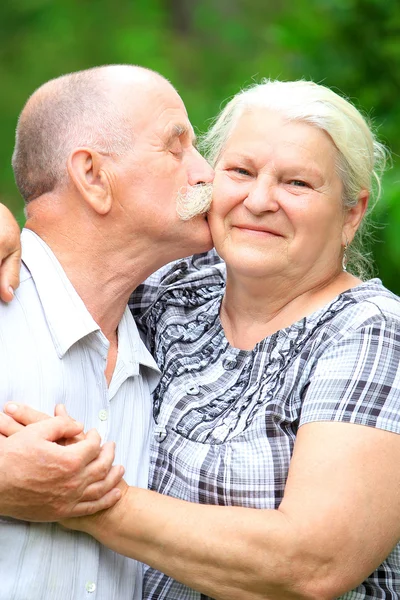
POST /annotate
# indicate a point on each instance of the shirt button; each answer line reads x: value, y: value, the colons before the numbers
x: 90, y: 586
x: 229, y: 363
x: 103, y: 415
x: 192, y: 389
x: 160, y: 433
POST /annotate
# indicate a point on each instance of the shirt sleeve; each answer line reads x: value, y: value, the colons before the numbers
x: 146, y: 294
x: 357, y: 379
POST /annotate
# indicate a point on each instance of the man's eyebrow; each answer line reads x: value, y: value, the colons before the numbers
x: 176, y: 131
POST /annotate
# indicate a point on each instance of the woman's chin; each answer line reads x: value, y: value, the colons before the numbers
x: 250, y: 263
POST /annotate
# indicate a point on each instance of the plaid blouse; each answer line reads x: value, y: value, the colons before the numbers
x: 226, y: 419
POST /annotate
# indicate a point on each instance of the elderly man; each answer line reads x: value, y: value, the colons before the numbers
x: 101, y: 159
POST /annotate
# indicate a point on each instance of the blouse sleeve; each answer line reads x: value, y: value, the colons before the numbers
x: 146, y: 294
x: 356, y: 379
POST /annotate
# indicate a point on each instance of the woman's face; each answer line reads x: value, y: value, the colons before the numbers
x: 277, y: 206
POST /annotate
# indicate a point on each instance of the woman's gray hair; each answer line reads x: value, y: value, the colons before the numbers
x: 361, y: 158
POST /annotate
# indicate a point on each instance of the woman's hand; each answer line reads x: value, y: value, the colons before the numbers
x: 10, y: 254
x: 94, y: 523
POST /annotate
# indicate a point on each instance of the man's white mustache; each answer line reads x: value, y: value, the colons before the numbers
x: 194, y: 200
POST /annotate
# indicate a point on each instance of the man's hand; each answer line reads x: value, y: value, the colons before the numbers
x: 17, y: 416
x: 10, y: 254
x: 45, y: 481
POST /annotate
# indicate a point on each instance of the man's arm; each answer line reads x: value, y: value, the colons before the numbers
x: 10, y: 254
x: 44, y: 481
x: 337, y: 522
x: 39, y: 479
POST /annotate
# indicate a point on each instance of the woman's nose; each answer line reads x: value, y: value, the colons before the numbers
x: 262, y: 197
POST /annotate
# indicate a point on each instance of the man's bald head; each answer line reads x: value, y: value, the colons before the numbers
x: 85, y: 108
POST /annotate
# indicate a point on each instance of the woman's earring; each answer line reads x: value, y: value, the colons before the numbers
x: 344, y: 258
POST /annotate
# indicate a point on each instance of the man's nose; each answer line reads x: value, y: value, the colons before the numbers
x: 199, y: 170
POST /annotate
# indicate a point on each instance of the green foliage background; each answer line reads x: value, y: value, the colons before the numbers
x: 209, y: 49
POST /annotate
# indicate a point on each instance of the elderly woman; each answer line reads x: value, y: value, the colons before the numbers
x: 278, y: 412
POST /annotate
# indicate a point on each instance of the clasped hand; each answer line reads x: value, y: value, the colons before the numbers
x: 51, y: 470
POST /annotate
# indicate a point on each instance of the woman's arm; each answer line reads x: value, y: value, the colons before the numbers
x: 339, y: 518
x: 338, y: 521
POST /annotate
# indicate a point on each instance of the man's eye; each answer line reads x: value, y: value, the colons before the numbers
x: 177, y: 152
x: 176, y: 149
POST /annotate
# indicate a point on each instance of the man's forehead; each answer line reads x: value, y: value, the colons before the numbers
x: 154, y: 101
x: 161, y: 113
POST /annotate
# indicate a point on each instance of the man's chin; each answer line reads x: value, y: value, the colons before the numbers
x: 198, y: 246
x: 202, y: 240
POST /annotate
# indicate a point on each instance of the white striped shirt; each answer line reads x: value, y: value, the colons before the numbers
x: 51, y: 351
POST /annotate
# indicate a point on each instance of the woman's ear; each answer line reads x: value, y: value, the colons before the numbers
x: 354, y: 216
x: 85, y: 168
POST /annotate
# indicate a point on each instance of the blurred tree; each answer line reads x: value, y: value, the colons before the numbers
x: 209, y: 49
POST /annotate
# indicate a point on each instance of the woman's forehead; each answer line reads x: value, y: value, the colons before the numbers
x: 266, y: 129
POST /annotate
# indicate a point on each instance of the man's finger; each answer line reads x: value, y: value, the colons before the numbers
x: 24, y: 414
x: 10, y: 254
x: 88, y: 449
x: 61, y: 411
x: 9, y: 275
x: 8, y: 426
x: 54, y: 428
x: 98, y: 458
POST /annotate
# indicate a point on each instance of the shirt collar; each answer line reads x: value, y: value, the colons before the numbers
x: 132, y: 351
x: 67, y: 316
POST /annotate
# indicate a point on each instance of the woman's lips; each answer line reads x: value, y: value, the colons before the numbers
x: 261, y: 231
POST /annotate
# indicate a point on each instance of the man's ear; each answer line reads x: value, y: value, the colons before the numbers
x: 354, y: 216
x: 85, y: 168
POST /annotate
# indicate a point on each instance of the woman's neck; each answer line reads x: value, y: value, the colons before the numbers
x: 252, y: 310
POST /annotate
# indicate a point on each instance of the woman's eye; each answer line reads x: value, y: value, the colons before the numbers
x: 241, y: 171
x: 298, y: 183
